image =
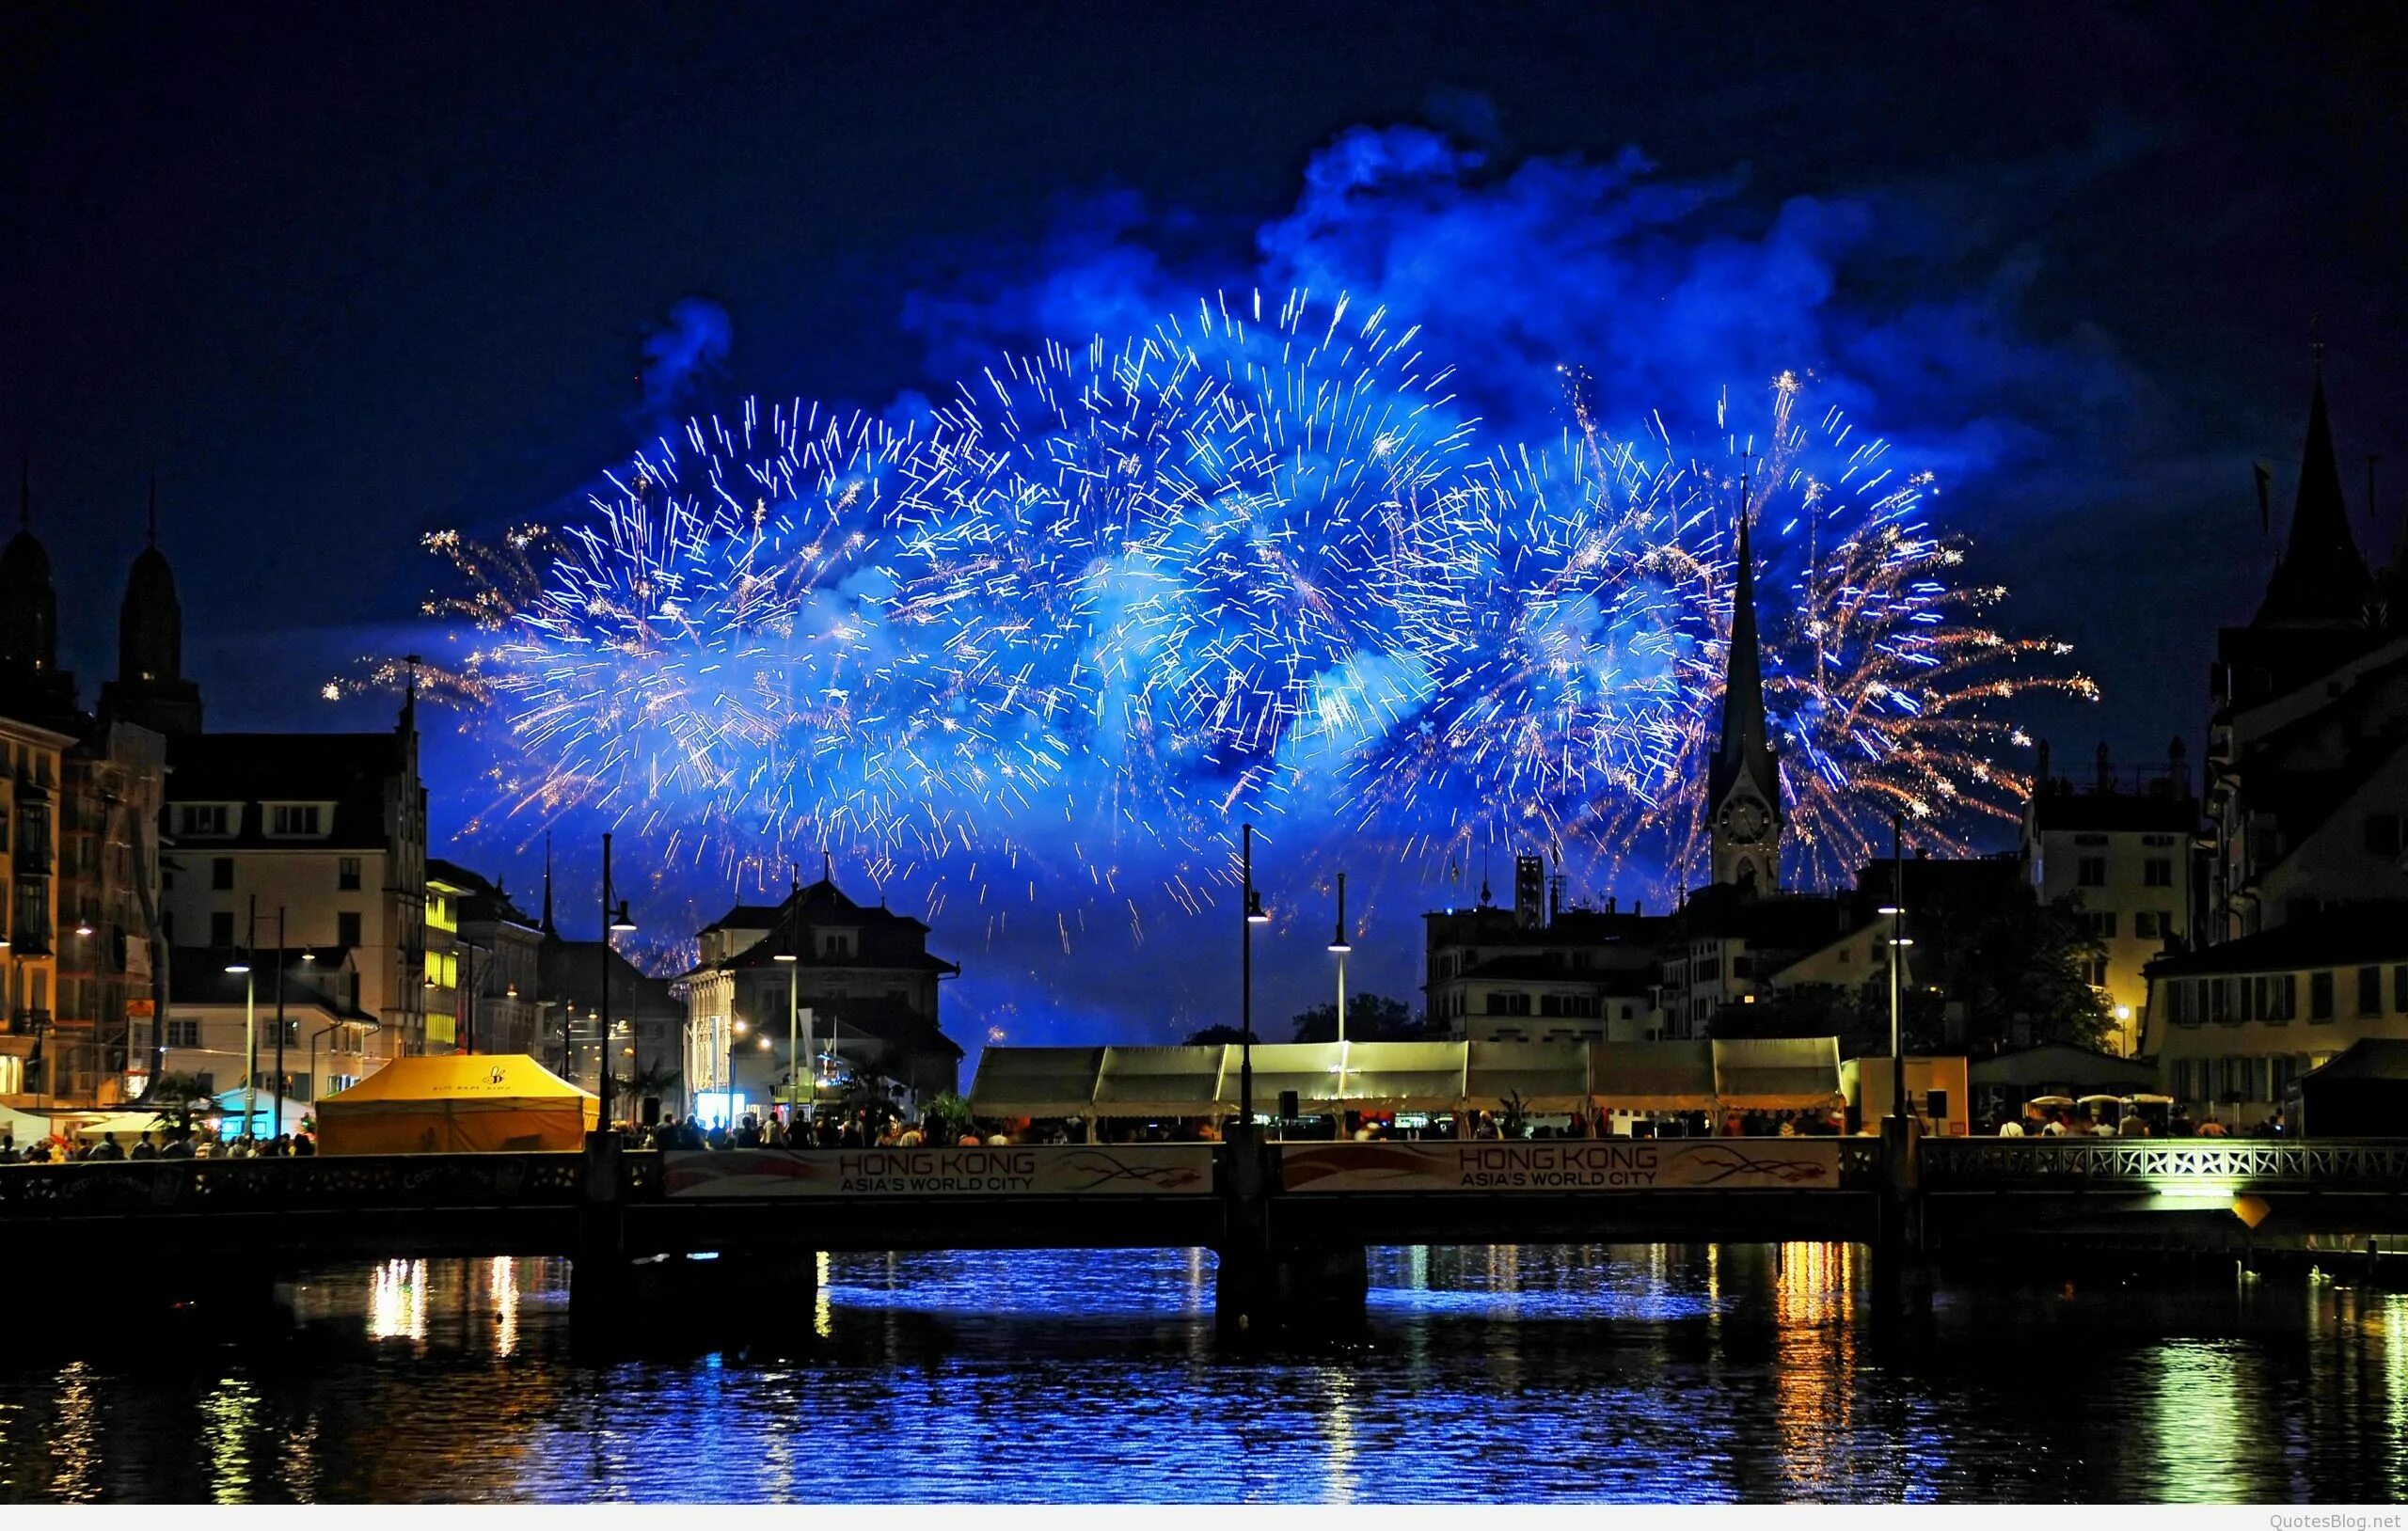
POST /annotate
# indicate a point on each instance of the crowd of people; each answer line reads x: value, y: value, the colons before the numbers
x: 158, y: 1143
x: 2054, y: 1122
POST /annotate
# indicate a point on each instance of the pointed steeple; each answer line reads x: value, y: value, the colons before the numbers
x: 1743, y: 786
x: 28, y: 601
x: 150, y: 689
x: 2323, y: 579
x: 1743, y: 745
x: 548, y: 929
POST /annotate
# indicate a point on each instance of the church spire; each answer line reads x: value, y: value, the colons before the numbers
x: 2322, y: 578
x: 1743, y: 786
x: 548, y: 929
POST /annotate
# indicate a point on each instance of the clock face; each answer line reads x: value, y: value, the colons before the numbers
x: 1747, y: 820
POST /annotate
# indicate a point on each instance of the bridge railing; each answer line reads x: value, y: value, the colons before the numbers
x: 271, y: 1185
x: 2160, y: 1163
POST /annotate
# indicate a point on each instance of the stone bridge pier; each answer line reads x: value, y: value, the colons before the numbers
x: 1270, y: 1283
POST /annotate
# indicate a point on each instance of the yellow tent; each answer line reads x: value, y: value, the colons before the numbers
x: 465, y: 1103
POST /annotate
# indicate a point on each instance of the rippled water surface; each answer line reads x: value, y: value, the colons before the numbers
x: 1685, y: 1374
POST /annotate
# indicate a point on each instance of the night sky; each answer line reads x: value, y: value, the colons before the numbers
x: 347, y: 275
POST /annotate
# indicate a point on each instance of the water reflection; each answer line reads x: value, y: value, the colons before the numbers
x: 1565, y: 1373
x: 228, y: 1414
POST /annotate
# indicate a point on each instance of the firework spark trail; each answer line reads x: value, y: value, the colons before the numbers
x: 1255, y: 560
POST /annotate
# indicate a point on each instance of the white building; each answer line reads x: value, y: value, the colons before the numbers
x: 330, y: 1043
x: 329, y: 827
x: 2121, y: 846
x: 2233, y: 1024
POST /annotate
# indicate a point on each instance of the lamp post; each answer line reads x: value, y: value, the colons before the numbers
x: 1340, y: 944
x: 241, y: 962
x: 250, y: 1021
x: 281, y: 965
x: 613, y: 921
x: 1255, y: 915
x: 1896, y: 910
x: 793, y: 1030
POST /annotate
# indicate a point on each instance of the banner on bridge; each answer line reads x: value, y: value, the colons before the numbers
x: 1134, y: 1169
x: 1567, y: 1165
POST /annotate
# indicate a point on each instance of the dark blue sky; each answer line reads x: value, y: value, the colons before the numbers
x: 347, y: 275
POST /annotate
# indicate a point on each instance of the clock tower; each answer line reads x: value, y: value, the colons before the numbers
x: 1743, y: 788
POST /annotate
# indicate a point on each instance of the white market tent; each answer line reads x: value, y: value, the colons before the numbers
x: 1550, y: 1077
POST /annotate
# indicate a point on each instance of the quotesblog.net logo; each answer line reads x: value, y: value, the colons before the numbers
x: 2333, y: 1520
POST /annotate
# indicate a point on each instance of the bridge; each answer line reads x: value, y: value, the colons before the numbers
x: 1290, y: 1222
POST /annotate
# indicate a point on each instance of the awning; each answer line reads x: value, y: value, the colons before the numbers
x: 1309, y: 1068
x: 1158, y: 1081
x: 1652, y: 1076
x: 1034, y: 1081
x: 1547, y: 1076
x: 1404, y: 1076
x: 1778, y: 1073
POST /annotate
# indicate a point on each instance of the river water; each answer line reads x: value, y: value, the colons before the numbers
x: 1685, y: 1374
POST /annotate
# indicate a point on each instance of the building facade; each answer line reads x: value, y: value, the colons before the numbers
x: 329, y: 827
x: 1537, y: 973
x: 2309, y: 741
x: 865, y: 975
x: 2122, y: 847
x: 216, y: 1018
x: 2235, y: 1023
x: 498, y: 954
x: 32, y: 766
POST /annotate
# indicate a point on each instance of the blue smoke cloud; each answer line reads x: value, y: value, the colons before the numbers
x: 684, y: 354
x: 1904, y: 305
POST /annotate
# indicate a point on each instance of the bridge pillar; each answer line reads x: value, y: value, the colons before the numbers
x: 1901, y: 1270
x: 1264, y: 1286
x: 599, y: 1284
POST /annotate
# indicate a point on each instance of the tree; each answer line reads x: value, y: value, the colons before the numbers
x: 1979, y: 978
x: 1214, y: 1037
x: 1369, y: 1017
x: 650, y: 1080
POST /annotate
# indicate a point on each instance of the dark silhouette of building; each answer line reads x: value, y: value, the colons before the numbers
x: 150, y: 689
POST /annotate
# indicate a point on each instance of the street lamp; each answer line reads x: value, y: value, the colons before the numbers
x: 1897, y: 913
x: 242, y: 964
x: 613, y: 922
x: 794, y: 1027
x: 1340, y: 944
x: 1255, y: 915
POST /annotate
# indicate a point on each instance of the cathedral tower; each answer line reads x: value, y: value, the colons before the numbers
x: 1743, y: 788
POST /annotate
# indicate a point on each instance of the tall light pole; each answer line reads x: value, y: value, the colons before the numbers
x: 281, y: 965
x: 1340, y: 944
x: 613, y: 921
x: 250, y: 1021
x: 1896, y: 910
x: 240, y: 961
x: 787, y: 955
x: 1255, y: 915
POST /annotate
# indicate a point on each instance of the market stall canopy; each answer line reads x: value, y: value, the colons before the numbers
x: 2055, y: 1069
x: 1652, y: 1075
x: 1160, y: 1082
x: 1778, y: 1073
x: 1547, y: 1076
x: 1309, y: 1068
x: 458, y: 1103
x: 2360, y: 1093
x: 1404, y: 1076
x: 1036, y: 1082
